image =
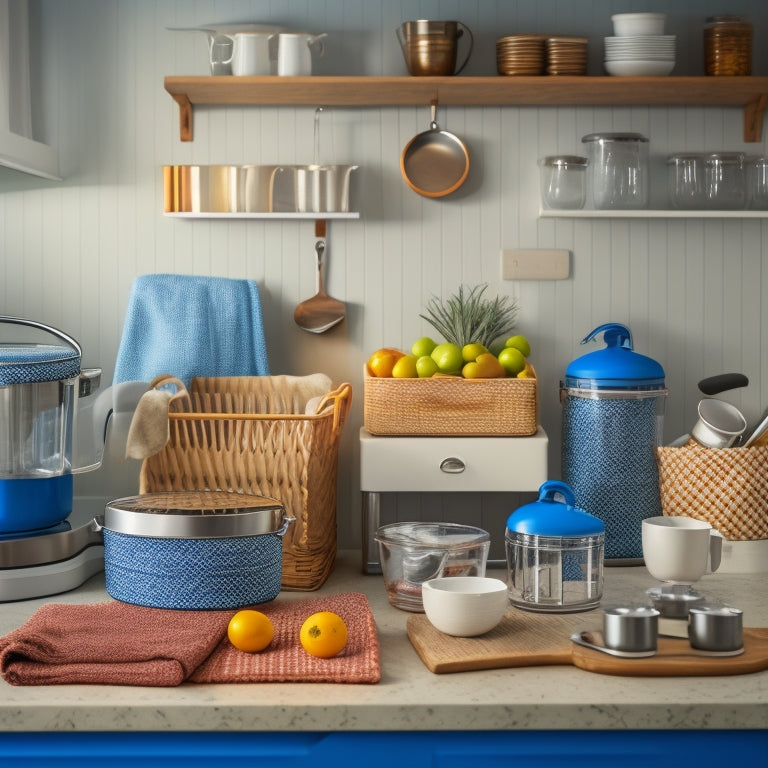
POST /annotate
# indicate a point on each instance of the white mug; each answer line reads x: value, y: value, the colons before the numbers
x: 294, y: 53
x: 680, y: 550
x: 251, y: 53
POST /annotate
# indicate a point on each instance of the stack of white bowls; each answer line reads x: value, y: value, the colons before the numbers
x: 640, y: 47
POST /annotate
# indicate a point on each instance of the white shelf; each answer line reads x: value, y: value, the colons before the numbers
x: 308, y: 216
x: 588, y: 213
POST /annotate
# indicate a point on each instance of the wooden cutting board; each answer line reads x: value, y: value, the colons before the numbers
x: 525, y: 639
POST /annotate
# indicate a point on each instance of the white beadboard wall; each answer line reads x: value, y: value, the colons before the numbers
x: 694, y: 292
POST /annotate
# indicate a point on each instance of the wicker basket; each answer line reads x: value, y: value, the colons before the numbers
x: 726, y: 487
x: 450, y: 405
x: 223, y: 437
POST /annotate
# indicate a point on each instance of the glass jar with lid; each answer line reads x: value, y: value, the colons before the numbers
x: 563, y: 181
x: 727, y: 46
x: 617, y: 169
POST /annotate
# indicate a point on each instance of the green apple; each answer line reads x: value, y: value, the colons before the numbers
x: 448, y: 357
x: 423, y: 346
x: 519, y: 342
x: 512, y: 359
x: 426, y: 367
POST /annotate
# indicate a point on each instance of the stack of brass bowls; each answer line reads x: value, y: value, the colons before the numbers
x: 520, y: 55
x: 727, y: 46
x: 566, y: 55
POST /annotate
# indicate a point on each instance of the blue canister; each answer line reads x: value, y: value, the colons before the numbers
x: 613, y: 409
x: 194, y: 550
x: 555, y: 553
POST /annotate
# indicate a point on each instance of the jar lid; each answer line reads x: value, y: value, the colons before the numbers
x: 33, y: 363
x: 605, y: 137
x: 194, y: 515
x: 727, y: 158
x: 725, y: 19
x: 563, y: 161
x: 617, y: 366
x: 671, y: 159
x: 553, y: 518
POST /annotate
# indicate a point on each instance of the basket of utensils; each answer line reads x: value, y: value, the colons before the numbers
x: 726, y: 487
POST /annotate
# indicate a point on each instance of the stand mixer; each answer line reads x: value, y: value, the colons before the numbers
x: 53, y: 422
x: 678, y: 551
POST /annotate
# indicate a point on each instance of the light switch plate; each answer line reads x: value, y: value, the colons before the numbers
x: 535, y: 264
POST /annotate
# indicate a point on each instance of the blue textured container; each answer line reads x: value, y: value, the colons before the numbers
x: 613, y: 405
x: 194, y: 550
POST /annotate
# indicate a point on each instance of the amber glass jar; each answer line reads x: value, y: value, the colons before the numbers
x: 727, y: 46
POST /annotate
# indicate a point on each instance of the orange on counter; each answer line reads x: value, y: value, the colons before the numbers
x: 323, y: 634
x: 250, y: 631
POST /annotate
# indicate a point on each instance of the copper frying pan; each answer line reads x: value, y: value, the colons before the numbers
x: 435, y: 163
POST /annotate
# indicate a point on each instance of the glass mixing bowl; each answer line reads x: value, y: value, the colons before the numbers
x: 412, y: 553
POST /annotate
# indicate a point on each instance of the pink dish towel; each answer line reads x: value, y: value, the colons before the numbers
x: 117, y: 643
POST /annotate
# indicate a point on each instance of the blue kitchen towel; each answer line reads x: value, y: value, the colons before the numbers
x: 189, y: 326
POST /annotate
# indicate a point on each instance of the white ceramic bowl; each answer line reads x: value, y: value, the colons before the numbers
x: 638, y: 68
x: 625, y: 24
x: 465, y: 606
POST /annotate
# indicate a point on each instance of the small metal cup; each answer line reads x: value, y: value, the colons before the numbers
x: 631, y: 629
x: 715, y: 628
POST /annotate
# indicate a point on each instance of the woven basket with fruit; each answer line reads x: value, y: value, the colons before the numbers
x: 476, y: 380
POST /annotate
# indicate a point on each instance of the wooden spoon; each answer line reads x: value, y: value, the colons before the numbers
x: 321, y: 312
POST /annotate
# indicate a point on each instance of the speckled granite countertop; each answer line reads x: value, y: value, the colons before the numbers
x: 409, y: 697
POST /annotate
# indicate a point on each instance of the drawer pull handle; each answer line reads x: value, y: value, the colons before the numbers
x: 452, y: 465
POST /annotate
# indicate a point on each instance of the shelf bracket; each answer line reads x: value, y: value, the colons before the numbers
x: 185, y: 115
x: 753, y: 118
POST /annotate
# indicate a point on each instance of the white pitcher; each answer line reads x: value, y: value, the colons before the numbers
x: 252, y: 53
x: 294, y: 53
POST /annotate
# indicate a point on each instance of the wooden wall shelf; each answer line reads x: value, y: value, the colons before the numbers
x: 749, y: 93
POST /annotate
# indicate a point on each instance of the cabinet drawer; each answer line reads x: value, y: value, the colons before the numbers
x: 452, y: 464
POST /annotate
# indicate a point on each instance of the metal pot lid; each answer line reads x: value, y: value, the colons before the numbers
x: 552, y: 518
x: 194, y: 515
x: 617, y: 366
x: 25, y: 363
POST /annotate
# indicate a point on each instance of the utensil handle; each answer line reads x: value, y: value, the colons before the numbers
x: 722, y: 382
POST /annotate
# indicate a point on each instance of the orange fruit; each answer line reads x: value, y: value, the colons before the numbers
x: 323, y: 634
x: 383, y: 360
x: 250, y: 631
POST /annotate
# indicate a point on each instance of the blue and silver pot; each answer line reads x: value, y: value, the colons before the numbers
x: 45, y: 398
x: 194, y: 550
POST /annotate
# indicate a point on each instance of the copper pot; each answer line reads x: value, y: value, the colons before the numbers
x: 430, y: 47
